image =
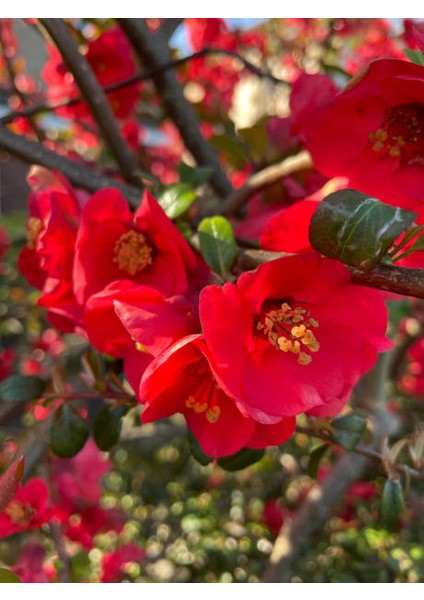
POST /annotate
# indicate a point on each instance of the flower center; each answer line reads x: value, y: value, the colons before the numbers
x: 401, y: 132
x: 288, y: 329
x: 33, y: 228
x: 20, y: 513
x: 132, y: 252
x: 204, y: 398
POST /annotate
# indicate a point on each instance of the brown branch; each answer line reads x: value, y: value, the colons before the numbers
x: 144, y: 76
x: 95, y: 98
x: 35, y: 153
x: 152, y: 49
x: 399, y: 280
x: 65, y: 559
x: 169, y: 26
x: 296, y: 535
x: 263, y: 179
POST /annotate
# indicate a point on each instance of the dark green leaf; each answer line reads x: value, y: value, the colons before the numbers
x: 21, y: 388
x: 107, y: 426
x: 69, y: 431
x: 349, y: 430
x: 217, y: 243
x: 315, y: 460
x: 242, y: 459
x: 257, y: 138
x: 392, y: 503
x: 232, y: 148
x: 194, y: 176
x: 176, y: 199
x: 356, y: 229
x: 81, y: 568
x: 7, y: 576
x: 197, y: 451
x: 415, y: 56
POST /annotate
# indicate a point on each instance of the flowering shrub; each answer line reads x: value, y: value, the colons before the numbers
x: 212, y: 328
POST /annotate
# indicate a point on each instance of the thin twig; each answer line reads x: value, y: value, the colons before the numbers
x: 65, y: 559
x: 95, y: 98
x: 152, y: 49
x: 264, y: 179
x: 144, y: 76
x: 33, y: 152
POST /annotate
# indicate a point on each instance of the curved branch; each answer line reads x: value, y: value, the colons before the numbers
x: 263, y: 179
x: 35, y: 153
x: 95, y: 98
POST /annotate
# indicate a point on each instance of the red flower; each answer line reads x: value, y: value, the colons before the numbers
x: 29, y: 509
x: 293, y: 336
x: 114, y: 244
x: 184, y: 379
x: 371, y: 132
x: 114, y: 563
x: 110, y: 57
x: 47, y: 259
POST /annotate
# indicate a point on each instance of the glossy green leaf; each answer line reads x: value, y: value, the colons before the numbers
x: 69, y: 431
x: 176, y: 199
x: 21, y: 388
x: 107, y: 426
x: 7, y: 576
x: 392, y: 503
x: 217, y: 243
x: 348, y: 430
x: 194, y: 176
x: 315, y: 459
x: 356, y: 229
x: 242, y: 459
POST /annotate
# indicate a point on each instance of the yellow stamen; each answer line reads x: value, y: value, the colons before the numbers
x: 132, y: 252
x: 213, y: 413
x: 20, y: 513
x: 33, y: 228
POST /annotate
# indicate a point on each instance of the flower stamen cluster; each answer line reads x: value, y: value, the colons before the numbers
x: 132, y: 252
x: 289, y: 330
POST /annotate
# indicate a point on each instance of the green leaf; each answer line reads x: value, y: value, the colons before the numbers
x: 21, y: 388
x: 194, y: 176
x: 242, y: 459
x: 217, y: 243
x: 392, y: 503
x: 107, y: 426
x: 356, y: 229
x: 415, y: 56
x: 232, y: 148
x: 7, y: 576
x: 315, y: 459
x: 257, y: 138
x: 69, y: 431
x: 176, y: 199
x: 349, y: 430
x: 81, y: 568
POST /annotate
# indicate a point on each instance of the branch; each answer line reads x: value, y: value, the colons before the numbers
x: 264, y: 179
x: 153, y: 50
x: 65, y: 559
x: 79, y: 175
x: 95, y: 98
x: 169, y: 26
x: 399, y: 280
x: 144, y: 76
x: 296, y: 534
